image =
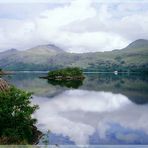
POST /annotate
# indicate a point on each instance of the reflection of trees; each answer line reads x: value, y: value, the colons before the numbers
x: 16, y: 123
x: 67, y: 83
x: 134, y: 86
x: 110, y: 77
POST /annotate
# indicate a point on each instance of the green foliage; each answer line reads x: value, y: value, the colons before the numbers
x: 15, y: 116
x: 31, y: 67
x: 66, y: 72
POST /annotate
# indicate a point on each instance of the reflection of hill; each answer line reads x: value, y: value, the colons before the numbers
x: 133, y: 86
x: 31, y: 82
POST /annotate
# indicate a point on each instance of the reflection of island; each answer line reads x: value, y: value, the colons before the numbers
x: 69, y: 84
x: 133, y: 86
x: 68, y: 77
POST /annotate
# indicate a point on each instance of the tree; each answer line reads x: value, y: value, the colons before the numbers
x: 16, y: 122
x: 66, y: 73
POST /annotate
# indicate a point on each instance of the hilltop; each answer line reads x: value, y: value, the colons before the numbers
x: 48, y: 57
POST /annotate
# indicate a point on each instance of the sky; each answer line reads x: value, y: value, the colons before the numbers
x: 74, y: 25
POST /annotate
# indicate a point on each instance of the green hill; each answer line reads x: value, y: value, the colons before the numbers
x: 132, y: 58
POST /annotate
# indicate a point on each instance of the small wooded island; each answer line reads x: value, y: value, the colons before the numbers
x: 66, y: 74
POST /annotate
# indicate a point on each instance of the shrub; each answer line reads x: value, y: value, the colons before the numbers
x: 15, y: 116
x: 66, y: 72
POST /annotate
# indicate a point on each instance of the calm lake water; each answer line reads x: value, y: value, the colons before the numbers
x: 104, y: 109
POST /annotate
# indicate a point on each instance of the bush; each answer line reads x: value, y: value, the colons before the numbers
x: 72, y: 72
x: 15, y: 116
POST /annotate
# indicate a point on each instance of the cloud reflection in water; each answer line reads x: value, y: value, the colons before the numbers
x: 79, y: 113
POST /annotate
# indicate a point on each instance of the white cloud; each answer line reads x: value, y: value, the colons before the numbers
x: 79, y: 26
x: 90, y: 41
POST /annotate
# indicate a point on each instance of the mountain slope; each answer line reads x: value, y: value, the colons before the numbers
x: 134, y: 57
x: 40, y: 54
x: 34, y: 56
x: 138, y: 44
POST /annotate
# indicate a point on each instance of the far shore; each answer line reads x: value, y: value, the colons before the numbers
x: 85, y: 72
x: 6, y: 72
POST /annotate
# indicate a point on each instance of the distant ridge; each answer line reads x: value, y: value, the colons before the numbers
x: 140, y: 43
x: 47, y: 57
x: 45, y: 48
x: 55, y: 47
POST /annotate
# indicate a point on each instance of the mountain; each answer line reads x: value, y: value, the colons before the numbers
x: 42, y: 50
x: 138, y: 44
x: 46, y: 57
x: 35, y: 56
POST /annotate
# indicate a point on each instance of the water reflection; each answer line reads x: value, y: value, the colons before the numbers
x: 133, y: 86
x: 90, y: 117
x: 106, y: 109
x: 65, y: 83
x: 31, y: 82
